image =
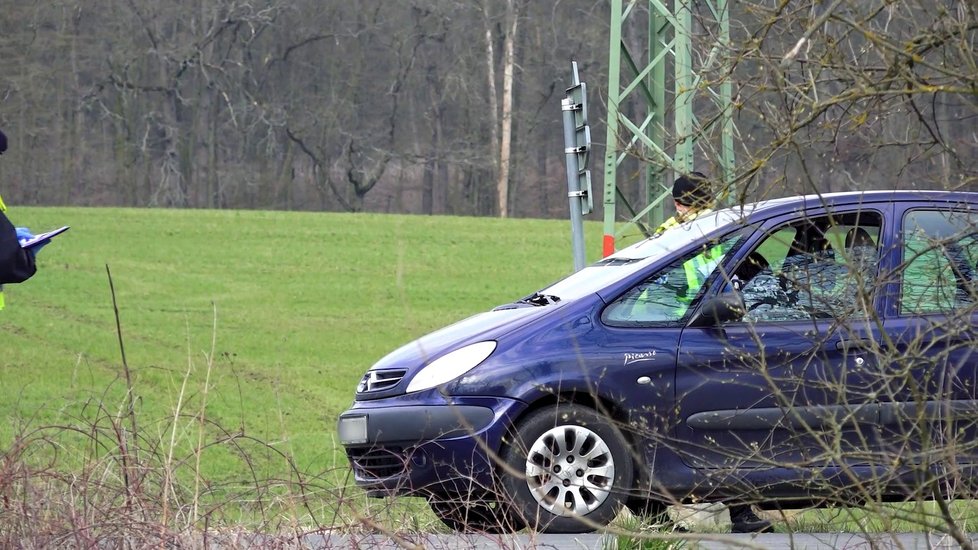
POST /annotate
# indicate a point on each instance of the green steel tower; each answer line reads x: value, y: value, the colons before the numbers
x: 639, y: 108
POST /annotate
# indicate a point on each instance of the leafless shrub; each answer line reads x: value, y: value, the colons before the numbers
x: 109, y: 478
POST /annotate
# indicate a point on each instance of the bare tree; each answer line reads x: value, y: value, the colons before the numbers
x: 453, y: 102
x: 368, y: 149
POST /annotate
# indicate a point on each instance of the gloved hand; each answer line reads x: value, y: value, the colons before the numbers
x: 24, y: 234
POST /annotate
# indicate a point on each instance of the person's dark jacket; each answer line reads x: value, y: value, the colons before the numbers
x: 16, y: 264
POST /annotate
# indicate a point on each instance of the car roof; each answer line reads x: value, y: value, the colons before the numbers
x: 848, y: 198
x: 721, y: 220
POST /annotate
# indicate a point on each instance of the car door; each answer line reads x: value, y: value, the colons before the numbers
x: 789, y: 384
x: 643, y: 327
x: 930, y: 403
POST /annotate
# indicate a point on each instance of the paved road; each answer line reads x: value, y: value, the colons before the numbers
x: 774, y: 541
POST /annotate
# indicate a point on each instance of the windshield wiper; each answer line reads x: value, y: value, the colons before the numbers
x: 538, y: 299
x: 617, y: 261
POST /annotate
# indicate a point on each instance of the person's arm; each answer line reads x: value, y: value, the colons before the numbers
x: 16, y: 264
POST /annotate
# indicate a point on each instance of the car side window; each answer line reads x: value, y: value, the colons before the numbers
x: 667, y: 295
x: 940, y: 250
x: 818, y: 268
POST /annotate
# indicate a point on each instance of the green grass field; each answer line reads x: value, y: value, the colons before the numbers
x: 245, y: 334
x: 298, y: 306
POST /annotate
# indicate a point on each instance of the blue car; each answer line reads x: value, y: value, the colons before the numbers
x: 824, y: 351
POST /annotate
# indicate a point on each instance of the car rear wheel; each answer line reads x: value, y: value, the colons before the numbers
x: 474, y: 515
x: 567, y: 469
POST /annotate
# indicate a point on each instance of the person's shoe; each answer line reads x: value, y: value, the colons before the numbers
x: 744, y: 520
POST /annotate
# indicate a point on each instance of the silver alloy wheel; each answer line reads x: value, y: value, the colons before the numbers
x: 570, y: 471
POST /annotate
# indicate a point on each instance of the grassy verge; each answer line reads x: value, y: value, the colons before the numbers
x: 244, y: 333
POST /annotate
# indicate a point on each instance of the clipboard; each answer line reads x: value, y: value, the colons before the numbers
x: 37, y: 239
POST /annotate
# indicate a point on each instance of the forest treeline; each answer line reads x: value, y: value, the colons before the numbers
x: 453, y: 106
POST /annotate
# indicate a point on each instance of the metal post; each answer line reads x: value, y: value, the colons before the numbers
x: 655, y: 172
x: 726, y: 95
x: 577, y: 148
x: 683, y: 160
x: 611, y: 139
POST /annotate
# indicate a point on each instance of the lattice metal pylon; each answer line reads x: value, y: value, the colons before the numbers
x: 639, y: 109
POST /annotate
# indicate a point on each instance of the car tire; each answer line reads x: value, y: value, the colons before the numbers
x: 567, y: 469
x: 464, y: 515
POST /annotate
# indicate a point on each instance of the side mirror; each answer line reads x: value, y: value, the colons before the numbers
x: 728, y: 306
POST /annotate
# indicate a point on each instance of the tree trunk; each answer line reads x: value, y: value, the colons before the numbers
x: 494, y: 145
x: 505, y: 142
x: 211, y: 186
x: 432, y: 158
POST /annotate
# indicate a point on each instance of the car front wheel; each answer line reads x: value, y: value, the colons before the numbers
x: 567, y: 469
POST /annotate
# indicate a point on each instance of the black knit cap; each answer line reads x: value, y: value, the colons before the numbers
x: 3, y: 142
x: 692, y: 190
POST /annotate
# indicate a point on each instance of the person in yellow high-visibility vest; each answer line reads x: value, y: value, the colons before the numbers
x: 16, y: 263
x: 693, y: 198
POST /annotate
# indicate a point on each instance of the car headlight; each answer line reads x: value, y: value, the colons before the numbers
x: 451, y: 365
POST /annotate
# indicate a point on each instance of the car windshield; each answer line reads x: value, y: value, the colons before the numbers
x: 635, y: 257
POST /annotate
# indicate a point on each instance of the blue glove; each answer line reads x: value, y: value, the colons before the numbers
x: 24, y: 234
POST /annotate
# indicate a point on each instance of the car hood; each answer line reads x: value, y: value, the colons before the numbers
x: 389, y: 376
x: 483, y: 326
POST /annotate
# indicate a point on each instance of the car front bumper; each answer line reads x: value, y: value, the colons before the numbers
x: 401, y: 446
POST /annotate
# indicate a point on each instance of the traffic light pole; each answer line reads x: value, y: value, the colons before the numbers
x: 577, y: 149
